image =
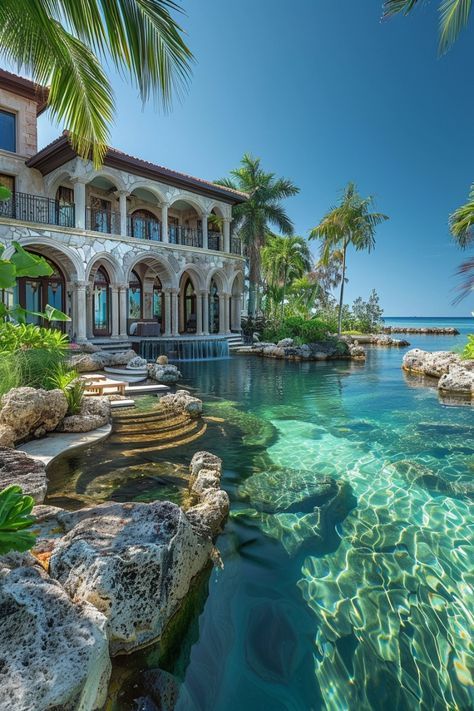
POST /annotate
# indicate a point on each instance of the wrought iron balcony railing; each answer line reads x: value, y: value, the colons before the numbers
x: 144, y: 228
x: 185, y: 235
x: 35, y: 208
x: 214, y: 240
x: 103, y: 220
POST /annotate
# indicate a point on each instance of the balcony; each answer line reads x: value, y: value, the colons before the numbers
x: 144, y: 228
x: 185, y: 236
x: 34, y: 208
x: 105, y: 221
x: 214, y: 241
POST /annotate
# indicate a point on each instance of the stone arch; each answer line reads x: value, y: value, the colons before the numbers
x: 157, y: 266
x: 64, y: 176
x: 220, y: 278
x: 195, y: 274
x: 145, y: 185
x: 195, y: 202
x: 111, y: 265
x: 236, y: 295
x: 115, y: 179
x: 69, y: 261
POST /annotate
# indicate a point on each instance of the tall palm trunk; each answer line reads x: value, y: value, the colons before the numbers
x: 285, y: 273
x: 341, y: 295
x: 254, y: 279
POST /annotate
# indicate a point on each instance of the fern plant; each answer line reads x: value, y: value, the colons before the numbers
x: 67, y: 380
x: 468, y: 351
x: 15, y: 517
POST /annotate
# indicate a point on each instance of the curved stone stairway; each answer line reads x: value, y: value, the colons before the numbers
x: 153, y: 431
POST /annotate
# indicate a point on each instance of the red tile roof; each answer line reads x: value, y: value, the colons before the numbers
x: 25, y: 87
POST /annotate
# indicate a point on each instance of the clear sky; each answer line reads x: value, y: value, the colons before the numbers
x: 324, y: 92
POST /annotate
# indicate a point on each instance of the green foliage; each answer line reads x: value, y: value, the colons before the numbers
x: 300, y: 329
x: 468, y: 351
x: 15, y: 517
x: 67, y: 380
x: 66, y: 45
x: 367, y: 315
x: 16, y: 337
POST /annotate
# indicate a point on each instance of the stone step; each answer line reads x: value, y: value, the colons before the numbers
x: 159, y: 415
x: 171, y: 434
x: 150, y: 428
x: 160, y: 446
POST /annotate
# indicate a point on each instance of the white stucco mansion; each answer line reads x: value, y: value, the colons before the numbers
x: 137, y: 249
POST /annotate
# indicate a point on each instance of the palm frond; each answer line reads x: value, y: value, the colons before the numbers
x: 466, y: 288
x: 454, y: 16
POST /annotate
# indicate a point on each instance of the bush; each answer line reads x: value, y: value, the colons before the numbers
x: 300, y: 329
x: 16, y: 337
x: 15, y: 510
x: 468, y: 350
x: 67, y: 380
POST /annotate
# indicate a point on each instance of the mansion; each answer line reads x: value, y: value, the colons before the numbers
x: 137, y: 249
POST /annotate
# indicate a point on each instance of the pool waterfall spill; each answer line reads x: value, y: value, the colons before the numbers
x: 349, y: 554
x: 185, y: 349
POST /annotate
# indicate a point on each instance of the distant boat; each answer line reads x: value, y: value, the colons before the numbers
x: 130, y: 375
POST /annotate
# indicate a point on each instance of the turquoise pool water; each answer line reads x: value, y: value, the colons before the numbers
x: 348, y: 557
x: 370, y: 607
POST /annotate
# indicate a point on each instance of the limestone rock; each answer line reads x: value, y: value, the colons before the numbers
x: 182, y: 401
x: 213, y: 507
x: 162, y: 360
x: 7, y: 436
x: 137, y: 362
x: 32, y: 412
x: 285, y: 343
x: 17, y: 467
x: 433, y: 364
x: 459, y: 380
x: 89, y: 362
x: 164, y: 373
x: 95, y: 412
x: 134, y: 562
x: 357, y: 352
x: 53, y: 653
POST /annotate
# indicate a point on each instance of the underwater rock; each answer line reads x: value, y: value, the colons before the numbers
x: 134, y: 562
x: 153, y: 690
x: 95, y: 412
x: 182, y: 402
x: 256, y: 431
x: 32, y: 412
x: 17, y: 467
x: 53, y: 652
x: 213, y: 507
x: 164, y: 372
x: 432, y: 480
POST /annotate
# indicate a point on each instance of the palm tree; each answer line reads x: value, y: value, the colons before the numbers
x: 285, y: 259
x: 454, y: 16
x: 61, y: 43
x: 461, y: 224
x: 254, y: 218
x: 348, y: 223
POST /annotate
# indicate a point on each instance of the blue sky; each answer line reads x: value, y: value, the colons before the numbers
x: 324, y: 92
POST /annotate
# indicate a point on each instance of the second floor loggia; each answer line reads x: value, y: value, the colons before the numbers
x: 99, y: 207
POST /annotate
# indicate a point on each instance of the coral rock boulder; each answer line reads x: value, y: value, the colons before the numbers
x: 32, y: 412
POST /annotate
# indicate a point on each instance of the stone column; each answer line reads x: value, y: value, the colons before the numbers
x: 164, y: 222
x: 174, y: 313
x: 199, y: 314
x: 167, y: 313
x: 114, y: 289
x: 227, y: 313
x: 80, y: 202
x: 123, y: 289
x: 90, y: 311
x: 226, y: 234
x: 205, y: 238
x: 205, y: 303
x: 80, y: 311
x: 122, y: 195
x: 222, y: 318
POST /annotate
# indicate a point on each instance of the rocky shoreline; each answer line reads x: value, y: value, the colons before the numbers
x: 100, y: 581
x: 431, y: 331
x: 454, y: 376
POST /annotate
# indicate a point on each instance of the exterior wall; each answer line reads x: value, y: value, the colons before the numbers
x: 25, y: 110
x: 79, y: 253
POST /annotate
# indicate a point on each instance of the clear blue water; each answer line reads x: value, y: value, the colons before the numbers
x: 348, y: 557
x: 370, y: 607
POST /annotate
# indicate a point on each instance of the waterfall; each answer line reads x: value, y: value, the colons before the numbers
x: 185, y: 348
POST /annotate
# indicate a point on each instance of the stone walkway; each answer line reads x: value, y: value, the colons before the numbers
x: 50, y: 447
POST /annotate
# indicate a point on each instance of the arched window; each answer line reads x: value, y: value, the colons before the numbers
x: 158, y: 303
x: 64, y: 206
x: 189, y: 307
x: 145, y: 225
x: 134, y: 296
x: 101, y: 303
x: 35, y: 292
x: 213, y: 308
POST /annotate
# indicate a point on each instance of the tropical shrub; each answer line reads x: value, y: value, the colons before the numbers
x: 15, y: 517
x: 468, y: 351
x: 367, y: 315
x: 301, y: 329
x: 23, y: 336
x: 67, y: 380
